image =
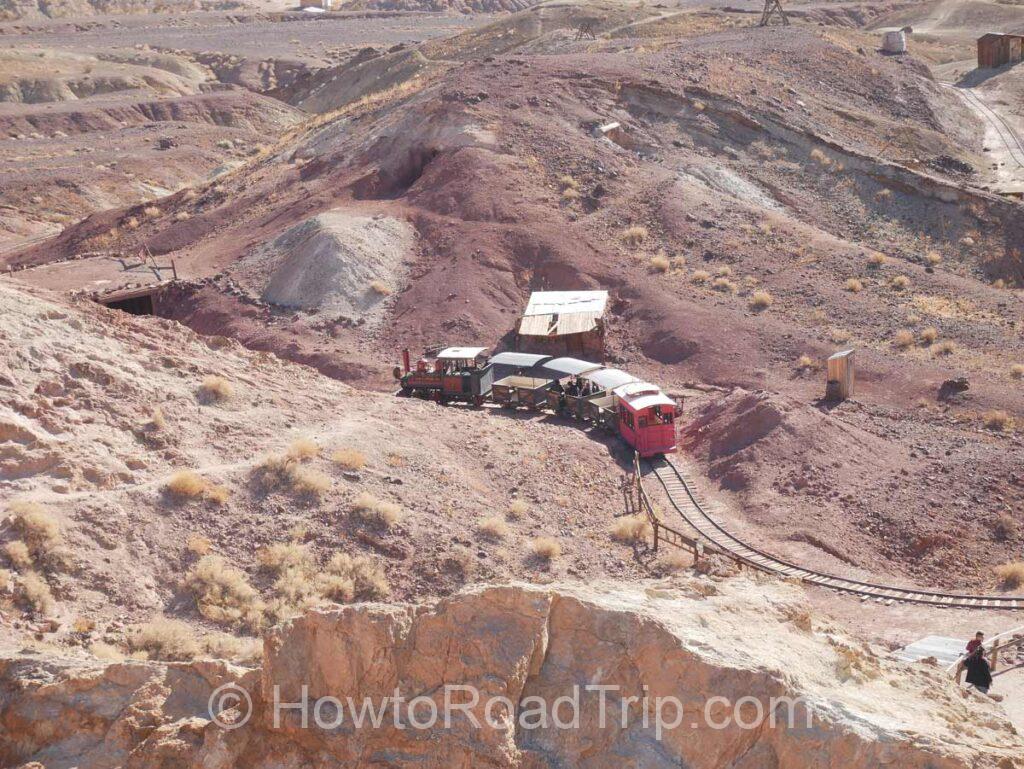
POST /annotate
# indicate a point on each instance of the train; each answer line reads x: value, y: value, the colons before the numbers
x: 639, y: 412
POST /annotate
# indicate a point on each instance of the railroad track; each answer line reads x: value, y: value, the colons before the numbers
x: 1002, y: 128
x: 695, y: 510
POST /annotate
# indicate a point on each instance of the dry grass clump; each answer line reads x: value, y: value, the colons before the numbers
x: 805, y: 362
x: 900, y: 283
x: 700, y: 276
x: 1017, y: 370
x: 566, y: 182
x: 929, y: 335
x: 182, y: 216
x: 761, y: 300
x: 380, y: 287
x: 162, y: 639
x: 634, y: 236
x: 18, y: 554
x: 493, y: 528
x: 302, y: 448
x: 675, y: 561
x: 570, y: 194
x: 223, y: 594
x: 36, y: 593
x: 368, y: 580
x: 853, y: 285
x: 368, y: 509
x: 151, y: 212
x: 546, y: 548
x: 883, y: 194
x: 157, y: 420
x: 660, y: 263
x: 286, y: 471
x: 724, y: 285
x: 877, y: 260
x: 186, y: 484
x: 933, y: 258
x: 820, y: 157
x: 38, y: 527
x: 632, y: 530
x: 903, y: 338
x: 944, y: 348
x: 282, y: 556
x: 998, y: 420
x: 1010, y: 575
x: 350, y: 459
x: 517, y: 509
x: 197, y: 544
x: 223, y: 646
x: 215, y: 389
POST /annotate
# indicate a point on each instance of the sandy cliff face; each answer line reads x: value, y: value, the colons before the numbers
x: 691, y: 640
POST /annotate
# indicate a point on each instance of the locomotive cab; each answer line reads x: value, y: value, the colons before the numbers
x: 647, y: 418
x: 456, y: 374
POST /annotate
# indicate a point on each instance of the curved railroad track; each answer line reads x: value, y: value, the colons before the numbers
x: 1002, y: 128
x: 694, y: 509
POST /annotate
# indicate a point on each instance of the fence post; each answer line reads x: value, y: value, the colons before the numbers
x: 995, y: 656
x: 655, y: 535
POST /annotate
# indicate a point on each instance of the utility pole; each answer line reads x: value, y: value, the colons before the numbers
x: 771, y: 9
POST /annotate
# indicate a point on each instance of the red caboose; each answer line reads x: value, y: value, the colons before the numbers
x: 647, y: 418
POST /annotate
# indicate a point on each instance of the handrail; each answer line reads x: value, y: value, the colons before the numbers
x: 994, y: 647
x: 674, y: 537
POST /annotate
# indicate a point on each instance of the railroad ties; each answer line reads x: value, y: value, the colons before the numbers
x: 697, y: 512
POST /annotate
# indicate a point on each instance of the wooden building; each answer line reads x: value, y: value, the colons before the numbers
x: 996, y: 49
x: 840, y: 376
x: 564, y: 323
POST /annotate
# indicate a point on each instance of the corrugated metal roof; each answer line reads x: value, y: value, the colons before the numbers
x: 633, y: 389
x: 460, y: 353
x: 536, y: 325
x: 610, y: 378
x: 570, y: 366
x: 646, y: 401
x: 522, y: 359
x: 566, y: 302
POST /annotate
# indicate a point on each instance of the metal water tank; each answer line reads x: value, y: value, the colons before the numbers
x: 894, y: 42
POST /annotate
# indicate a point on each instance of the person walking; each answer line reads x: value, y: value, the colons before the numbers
x: 979, y: 674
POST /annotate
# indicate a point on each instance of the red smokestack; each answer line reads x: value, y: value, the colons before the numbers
x: 405, y: 359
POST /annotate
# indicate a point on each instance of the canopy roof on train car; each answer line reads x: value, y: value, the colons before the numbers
x: 610, y: 378
x: 570, y: 366
x: 461, y: 353
x: 519, y: 359
x: 638, y: 396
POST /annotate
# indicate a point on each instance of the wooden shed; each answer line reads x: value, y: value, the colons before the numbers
x: 839, y: 376
x: 997, y: 49
x: 564, y: 323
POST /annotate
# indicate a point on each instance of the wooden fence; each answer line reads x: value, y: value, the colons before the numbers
x: 639, y: 503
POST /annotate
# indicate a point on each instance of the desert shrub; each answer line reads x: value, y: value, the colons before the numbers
x: 1004, y: 528
x: 369, y: 509
x: 998, y: 283
x: 998, y: 420
x: 933, y: 258
x: 224, y: 646
x: 660, y: 263
x: 805, y: 362
x: 724, y: 271
x: 223, y: 594
x: 187, y: 484
x: 197, y: 544
x: 36, y: 593
x: 380, y: 288
x: 182, y: 216
x: 284, y: 555
x: 929, y: 335
x: 1017, y: 370
x: 761, y: 300
x: 700, y: 276
x: 302, y: 448
x: 853, y: 285
x: 83, y: 625
x: 820, y: 157
x: 163, y: 639
x: 18, y: 554
x: 350, y: 459
x: 517, y: 509
x: 1010, y: 575
x: 900, y: 283
x: 634, y: 236
x: 215, y: 389
x: 106, y: 652
x: 944, y: 348
x: 632, y: 529
x: 883, y: 194
x: 284, y: 471
x: 546, y: 548
x: 724, y: 285
x: 460, y: 562
x: 877, y: 260
x: 157, y: 420
x: 366, y: 576
x: 570, y: 194
x: 39, y: 528
x: 493, y: 528
x: 151, y: 212
x: 675, y: 561
x: 131, y: 223
x: 566, y: 182
x: 903, y: 338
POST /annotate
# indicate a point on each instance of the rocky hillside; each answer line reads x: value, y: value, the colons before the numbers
x: 663, y: 651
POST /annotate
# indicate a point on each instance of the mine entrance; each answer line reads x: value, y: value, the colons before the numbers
x: 133, y: 302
